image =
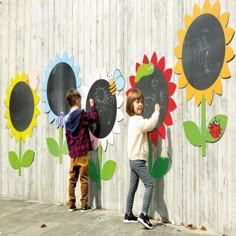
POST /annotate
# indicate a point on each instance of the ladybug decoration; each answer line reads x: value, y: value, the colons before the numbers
x: 215, y: 129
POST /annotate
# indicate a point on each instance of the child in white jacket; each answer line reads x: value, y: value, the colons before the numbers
x: 138, y: 128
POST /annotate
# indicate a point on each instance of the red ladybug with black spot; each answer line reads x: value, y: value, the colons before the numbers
x: 215, y: 129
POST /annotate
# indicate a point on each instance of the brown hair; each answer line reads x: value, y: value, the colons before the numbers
x: 72, y: 95
x: 134, y: 95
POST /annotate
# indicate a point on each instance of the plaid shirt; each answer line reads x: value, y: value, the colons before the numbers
x: 79, y: 141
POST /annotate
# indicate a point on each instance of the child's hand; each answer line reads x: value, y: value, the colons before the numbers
x: 157, y: 107
x: 91, y: 102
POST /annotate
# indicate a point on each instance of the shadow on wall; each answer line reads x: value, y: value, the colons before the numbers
x: 158, y: 203
x: 94, y: 193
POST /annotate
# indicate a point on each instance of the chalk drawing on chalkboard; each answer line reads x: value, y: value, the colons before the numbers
x: 21, y: 115
x: 203, y: 53
x: 105, y: 92
x: 156, y: 87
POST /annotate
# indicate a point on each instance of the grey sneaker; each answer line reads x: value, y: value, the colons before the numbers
x: 144, y: 220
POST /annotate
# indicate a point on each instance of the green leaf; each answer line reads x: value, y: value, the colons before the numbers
x: 193, y: 133
x: 216, y: 128
x: 14, y: 161
x: 108, y: 170
x: 160, y: 167
x: 27, y: 158
x: 93, y: 173
x: 64, y: 148
x: 53, y: 147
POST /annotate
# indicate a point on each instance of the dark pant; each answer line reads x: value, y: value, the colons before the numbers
x: 78, y: 168
x: 139, y: 170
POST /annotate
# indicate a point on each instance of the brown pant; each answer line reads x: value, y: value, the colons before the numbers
x: 78, y: 167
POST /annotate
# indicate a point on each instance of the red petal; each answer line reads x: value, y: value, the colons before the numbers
x: 162, y: 131
x: 128, y: 91
x: 145, y: 59
x: 154, y: 136
x: 137, y: 66
x: 161, y: 64
x: 171, y: 88
x: 168, y: 119
x: 154, y: 59
x: 171, y: 105
x: 131, y: 80
x: 168, y: 74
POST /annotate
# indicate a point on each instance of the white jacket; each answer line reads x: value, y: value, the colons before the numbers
x: 137, y: 135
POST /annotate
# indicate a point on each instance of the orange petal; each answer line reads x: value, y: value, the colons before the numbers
x: 216, y: 9
x: 189, y: 92
x: 229, y: 55
x: 182, y: 81
x: 187, y: 21
x: 198, y: 97
x: 225, y: 72
x: 224, y: 19
x: 208, y: 95
x: 218, y: 86
x: 196, y: 11
x: 178, y: 67
x: 178, y: 51
x: 206, y: 7
x: 229, y: 33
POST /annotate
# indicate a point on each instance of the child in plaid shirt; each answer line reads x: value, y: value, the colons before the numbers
x: 79, y: 144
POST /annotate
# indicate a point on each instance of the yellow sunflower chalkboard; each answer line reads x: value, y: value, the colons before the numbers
x: 21, y: 113
x: 203, y: 53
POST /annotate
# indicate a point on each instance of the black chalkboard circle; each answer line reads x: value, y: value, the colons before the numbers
x: 61, y: 79
x: 155, y: 90
x: 21, y: 106
x: 203, y: 51
x: 106, y: 106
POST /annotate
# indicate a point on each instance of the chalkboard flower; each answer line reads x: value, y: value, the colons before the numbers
x: 155, y: 83
x: 105, y: 92
x: 203, y: 53
x: 59, y: 78
x: 21, y: 113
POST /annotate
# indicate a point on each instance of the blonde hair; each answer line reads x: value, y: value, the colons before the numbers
x: 71, y: 96
x: 134, y: 95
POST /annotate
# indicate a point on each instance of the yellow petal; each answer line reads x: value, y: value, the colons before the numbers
x: 224, y: 18
x: 178, y: 67
x: 216, y: 9
x: 182, y: 81
x: 208, y: 95
x: 189, y: 92
x: 196, y: 11
x: 206, y: 7
x: 229, y: 33
x: 225, y: 72
x: 198, y: 97
x: 187, y: 21
x: 229, y: 54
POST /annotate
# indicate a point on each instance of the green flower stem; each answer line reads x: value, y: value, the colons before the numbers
x: 20, y: 154
x: 60, y: 143
x: 99, y: 164
x: 203, y: 125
